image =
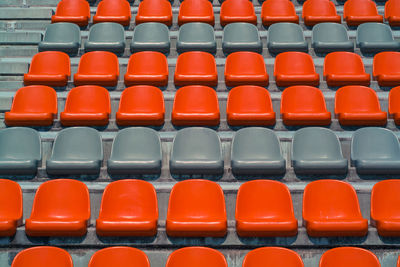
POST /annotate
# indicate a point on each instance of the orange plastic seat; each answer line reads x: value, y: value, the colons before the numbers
x: 295, y: 68
x: 154, y: 11
x: 196, y: 257
x: 249, y: 105
x: 237, y: 11
x: 34, y: 105
x: 264, y: 208
x: 61, y: 208
x: 10, y: 207
x: 43, y: 256
x: 97, y: 68
x: 275, y: 11
x: 196, y: 208
x: 119, y: 257
x: 330, y: 208
x: 358, y: 105
x: 304, y: 105
x: 272, y: 256
x: 385, y: 211
x: 245, y: 68
x: 318, y: 11
x: 128, y: 208
x: 196, y: 11
x: 345, y: 68
x: 73, y: 11
x: 51, y: 68
x: 147, y: 68
x: 141, y: 105
x: 386, y: 68
x: 204, y: 72
x: 118, y: 11
x: 392, y: 12
x: 195, y: 105
x: 349, y: 257
x: 87, y: 105
x: 394, y: 104
x: 356, y: 12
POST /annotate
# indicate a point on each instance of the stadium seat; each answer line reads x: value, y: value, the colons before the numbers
x: 237, y: 11
x: 256, y: 151
x: 386, y: 68
x: 204, y: 72
x: 195, y: 105
x: 274, y: 11
x: 154, y: 11
x: 196, y: 257
x: 318, y: 11
x: 196, y: 11
x: 394, y: 104
x: 245, y: 68
x: 349, y: 257
x: 20, y: 152
x: 196, y: 208
x: 392, y: 12
x: 264, y: 208
x: 196, y: 36
x: 97, y: 68
x: 358, y: 106
x: 241, y: 36
x: 385, y: 202
x: 345, y: 68
x: 128, y: 208
x: 151, y: 36
x: 61, y: 208
x: 73, y: 11
x: 147, y: 68
x: 330, y: 208
x: 272, y: 256
x: 11, y: 207
x: 135, y: 150
x: 141, y: 105
x: 118, y: 11
x: 196, y: 150
x: 87, y: 105
x: 49, y: 68
x: 106, y: 36
x: 42, y: 256
x: 304, y: 105
x: 119, y: 257
x: 63, y: 37
x: 249, y: 105
x: 356, y: 12
x: 317, y: 151
x: 330, y: 37
x: 76, y: 150
x: 375, y: 37
x: 375, y: 150
x: 284, y: 37
x: 301, y: 73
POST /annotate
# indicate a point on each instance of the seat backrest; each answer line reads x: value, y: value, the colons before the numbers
x: 392, y: 8
x: 386, y: 63
x: 359, y: 8
x: 343, y: 63
x: 294, y: 63
x: 107, y: 32
x: 114, y: 8
x: 385, y: 200
x: 394, y: 100
x: 11, y: 204
x: 119, y: 257
x: 35, y: 98
x: 349, y: 257
x: 319, y: 8
x: 196, y: 257
x: 98, y: 63
x: 272, y: 256
x: 239, y: 31
x: 142, y: 98
x: 374, y: 32
x: 50, y: 62
x: 301, y: 98
x: 356, y: 98
x: 19, y: 143
x: 88, y: 99
x: 329, y: 32
x: 73, y: 8
x: 43, y: 256
x: 62, y: 32
x: 195, y: 98
x: 285, y: 32
x: 278, y: 8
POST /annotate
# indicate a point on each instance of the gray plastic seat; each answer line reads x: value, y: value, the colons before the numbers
x: 241, y: 36
x: 76, y: 150
x: 330, y: 37
x: 150, y: 36
x: 62, y: 36
x: 317, y: 150
x: 196, y: 150
x: 284, y: 37
x: 375, y: 37
x: 196, y: 36
x: 256, y: 151
x: 135, y: 150
x: 20, y: 151
x: 375, y: 151
x: 106, y: 36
